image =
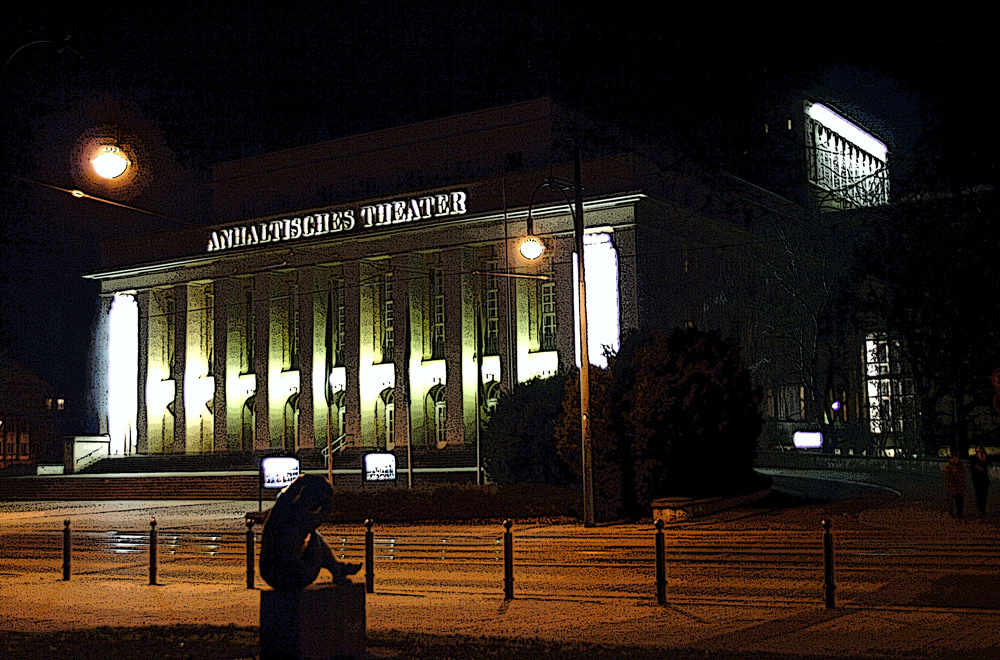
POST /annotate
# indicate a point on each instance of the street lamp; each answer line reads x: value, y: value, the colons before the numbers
x: 531, y: 245
x: 110, y: 162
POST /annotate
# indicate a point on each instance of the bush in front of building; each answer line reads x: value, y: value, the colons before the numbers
x: 518, y: 440
x: 672, y: 415
x: 691, y: 416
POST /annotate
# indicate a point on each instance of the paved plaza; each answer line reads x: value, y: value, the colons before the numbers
x: 963, y: 620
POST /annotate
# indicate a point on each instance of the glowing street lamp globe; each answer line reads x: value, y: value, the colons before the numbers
x: 110, y: 162
x: 531, y: 248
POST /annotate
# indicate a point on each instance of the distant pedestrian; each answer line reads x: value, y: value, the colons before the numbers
x: 979, y: 470
x: 954, y: 481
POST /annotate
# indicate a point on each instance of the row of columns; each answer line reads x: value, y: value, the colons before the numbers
x: 169, y: 410
x: 164, y: 386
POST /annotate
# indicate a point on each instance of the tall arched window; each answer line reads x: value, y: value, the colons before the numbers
x: 436, y: 414
x: 247, y: 425
x: 338, y: 415
x: 290, y: 424
x: 385, y: 422
x: 492, y: 393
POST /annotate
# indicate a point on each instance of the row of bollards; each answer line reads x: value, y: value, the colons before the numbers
x: 67, y: 565
x: 829, y: 587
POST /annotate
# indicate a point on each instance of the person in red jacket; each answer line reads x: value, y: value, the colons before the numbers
x: 954, y: 481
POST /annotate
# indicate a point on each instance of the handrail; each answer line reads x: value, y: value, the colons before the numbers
x: 106, y: 448
x: 337, y: 445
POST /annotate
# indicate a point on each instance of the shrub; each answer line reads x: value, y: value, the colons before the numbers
x: 692, y: 417
x: 518, y: 444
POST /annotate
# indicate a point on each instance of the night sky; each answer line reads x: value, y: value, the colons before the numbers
x: 200, y: 83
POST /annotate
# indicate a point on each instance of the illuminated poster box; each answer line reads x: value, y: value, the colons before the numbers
x: 807, y: 439
x: 378, y: 466
x: 279, y: 471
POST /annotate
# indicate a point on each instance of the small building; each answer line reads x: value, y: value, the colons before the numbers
x: 29, y: 411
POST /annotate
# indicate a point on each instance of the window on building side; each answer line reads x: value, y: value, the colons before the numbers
x: 247, y: 334
x: 892, y: 405
x: 437, y: 314
x: 169, y: 310
x: 208, y: 328
x: 845, y: 161
x: 387, y: 419
x: 491, y: 314
x: 547, y: 294
x: 341, y: 322
x: 388, y: 334
x: 290, y: 331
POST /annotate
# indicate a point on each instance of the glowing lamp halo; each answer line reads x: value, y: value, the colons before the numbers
x: 531, y: 248
x: 110, y: 162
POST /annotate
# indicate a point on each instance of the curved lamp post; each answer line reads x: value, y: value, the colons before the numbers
x: 531, y: 245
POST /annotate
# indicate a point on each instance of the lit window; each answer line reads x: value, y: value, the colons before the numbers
x: 548, y: 316
x: 388, y: 419
x: 436, y: 415
x: 891, y: 396
x: 437, y: 311
x: 388, y: 343
x: 491, y: 331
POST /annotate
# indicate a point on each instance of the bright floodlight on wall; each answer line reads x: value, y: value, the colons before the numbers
x: 531, y: 248
x: 110, y: 162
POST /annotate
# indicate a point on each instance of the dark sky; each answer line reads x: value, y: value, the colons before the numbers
x: 210, y: 81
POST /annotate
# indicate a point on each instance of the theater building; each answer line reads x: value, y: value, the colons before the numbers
x: 369, y: 291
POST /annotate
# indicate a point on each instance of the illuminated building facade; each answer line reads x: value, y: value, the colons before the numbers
x: 369, y: 292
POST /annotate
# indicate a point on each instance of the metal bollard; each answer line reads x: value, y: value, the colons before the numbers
x: 661, y: 565
x: 508, y: 561
x: 250, y: 572
x: 828, y: 586
x: 152, y: 551
x: 67, y: 551
x: 369, y: 557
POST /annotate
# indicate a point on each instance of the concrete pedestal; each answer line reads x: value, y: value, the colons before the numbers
x: 322, y: 622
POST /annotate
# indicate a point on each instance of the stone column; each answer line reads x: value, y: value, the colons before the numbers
x: 408, y: 343
x: 142, y: 409
x: 352, y: 346
x: 180, y: 364
x: 628, y: 297
x: 262, y: 358
x: 564, y: 273
x: 307, y: 433
x: 454, y: 344
x: 507, y: 332
x: 220, y: 350
x: 101, y: 363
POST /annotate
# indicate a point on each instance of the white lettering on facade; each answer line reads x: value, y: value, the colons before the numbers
x: 332, y: 222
